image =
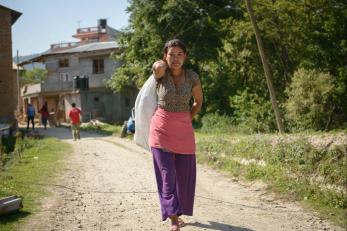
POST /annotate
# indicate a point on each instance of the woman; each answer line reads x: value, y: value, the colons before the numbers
x: 171, y: 136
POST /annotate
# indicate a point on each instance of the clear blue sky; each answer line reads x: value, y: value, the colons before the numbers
x: 44, y: 22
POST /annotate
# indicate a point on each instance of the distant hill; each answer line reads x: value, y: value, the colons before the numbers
x: 24, y: 57
x: 27, y: 57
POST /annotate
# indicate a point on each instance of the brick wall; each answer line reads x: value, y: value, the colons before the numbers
x: 7, y: 82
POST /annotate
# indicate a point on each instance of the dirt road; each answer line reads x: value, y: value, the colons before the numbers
x: 108, y: 184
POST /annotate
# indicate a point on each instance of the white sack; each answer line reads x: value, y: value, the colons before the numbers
x: 145, y: 105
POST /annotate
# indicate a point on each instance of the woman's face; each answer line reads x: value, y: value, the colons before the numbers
x: 175, y: 57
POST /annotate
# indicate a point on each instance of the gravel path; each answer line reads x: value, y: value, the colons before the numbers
x: 108, y: 184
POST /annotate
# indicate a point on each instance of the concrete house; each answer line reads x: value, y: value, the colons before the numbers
x: 77, y: 72
x: 8, y: 83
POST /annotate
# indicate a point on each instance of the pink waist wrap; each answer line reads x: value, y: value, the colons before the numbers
x: 172, y: 131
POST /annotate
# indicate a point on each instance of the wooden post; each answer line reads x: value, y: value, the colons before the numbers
x: 264, y: 61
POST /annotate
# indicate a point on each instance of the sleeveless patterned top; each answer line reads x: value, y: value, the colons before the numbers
x: 176, y: 98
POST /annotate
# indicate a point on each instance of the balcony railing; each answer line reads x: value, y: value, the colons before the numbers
x: 31, y: 89
x: 64, y: 45
x: 88, y: 30
x: 47, y: 87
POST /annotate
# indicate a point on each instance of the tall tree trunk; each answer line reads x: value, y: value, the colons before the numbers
x: 264, y: 60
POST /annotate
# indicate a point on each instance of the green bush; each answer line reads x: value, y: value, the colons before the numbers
x: 216, y: 123
x: 253, y: 112
x: 8, y: 143
x: 13, y: 146
x: 6, y: 147
x: 309, y: 104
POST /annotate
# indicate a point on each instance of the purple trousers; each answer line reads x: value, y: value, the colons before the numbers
x: 176, y: 177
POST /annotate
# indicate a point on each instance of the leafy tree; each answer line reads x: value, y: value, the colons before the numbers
x: 308, y: 34
x: 153, y: 22
x: 36, y: 75
x: 296, y: 34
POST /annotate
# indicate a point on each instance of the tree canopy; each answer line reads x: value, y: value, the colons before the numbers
x: 36, y: 75
x: 300, y: 34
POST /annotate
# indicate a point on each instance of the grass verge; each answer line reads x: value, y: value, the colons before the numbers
x: 40, y: 161
x: 290, y: 165
x: 104, y: 129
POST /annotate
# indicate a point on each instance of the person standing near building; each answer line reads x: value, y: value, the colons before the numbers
x: 30, y: 116
x: 75, y: 119
x: 44, y: 115
x: 171, y: 135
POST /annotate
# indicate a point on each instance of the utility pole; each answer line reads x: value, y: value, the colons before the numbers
x: 264, y: 61
x: 18, y: 82
x: 79, y: 23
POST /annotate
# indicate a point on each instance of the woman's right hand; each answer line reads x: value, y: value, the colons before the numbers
x: 159, y: 68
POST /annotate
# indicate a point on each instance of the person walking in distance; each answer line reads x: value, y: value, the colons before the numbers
x: 75, y: 118
x: 30, y: 116
x: 171, y: 136
x: 44, y: 115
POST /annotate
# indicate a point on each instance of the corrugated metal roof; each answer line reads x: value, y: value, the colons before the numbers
x: 89, y: 47
x: 96, y: 46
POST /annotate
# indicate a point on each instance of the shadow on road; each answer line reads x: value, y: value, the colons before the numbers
x: 218, y: 226
x: 13, y: 217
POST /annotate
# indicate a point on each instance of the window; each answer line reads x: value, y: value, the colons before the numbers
x: 65, y: 77
x: 98, y: 66
x: 64, y: 63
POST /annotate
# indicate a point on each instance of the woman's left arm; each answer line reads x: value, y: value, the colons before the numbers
x: 198, y: 98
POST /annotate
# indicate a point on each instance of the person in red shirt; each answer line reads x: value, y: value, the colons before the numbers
x: 75, y: 118
x: 44, y: 115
